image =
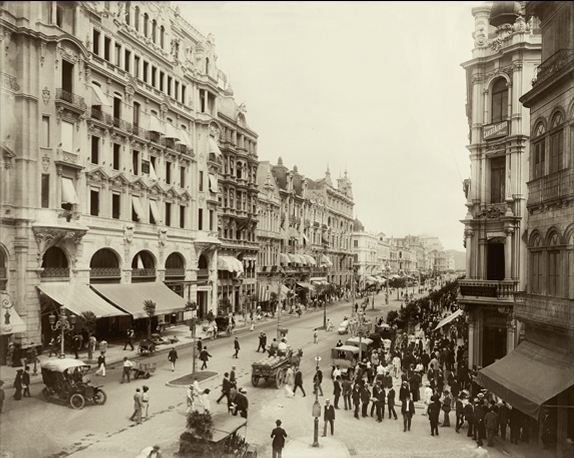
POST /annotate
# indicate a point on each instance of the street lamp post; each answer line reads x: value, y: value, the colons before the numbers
x: 63, y: 323
x: 316, y: 412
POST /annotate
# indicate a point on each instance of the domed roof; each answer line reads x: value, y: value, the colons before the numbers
x: 358, y: 226
x: 504, y: 13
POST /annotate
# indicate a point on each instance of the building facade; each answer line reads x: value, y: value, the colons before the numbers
x: 238, y: 211
x: 546, y: 301
x: 367, y: 255
x: 109, y: 138
x: 505, y: 54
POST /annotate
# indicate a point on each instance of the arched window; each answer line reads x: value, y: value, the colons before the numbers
x: 137, y: 18
x: 556, y: 152
x: 105, y: 267
x: 539, y: 151
x: 554, y: 287
x: 143, y: 267
x: 162, y: 37
x: 499, y: 101
x: 146, y: 24
x: 175, y: 266
x: 153, y: 30
x: 55, y: 263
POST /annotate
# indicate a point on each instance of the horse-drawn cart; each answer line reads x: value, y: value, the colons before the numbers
x: 270, y: 368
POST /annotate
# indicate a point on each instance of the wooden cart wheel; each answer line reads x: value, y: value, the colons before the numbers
x: 254, y: 380
x: 280, y: 378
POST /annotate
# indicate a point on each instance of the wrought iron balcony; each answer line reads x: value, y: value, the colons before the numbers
x: 500, y: 290
x: 105, y: 272
x: 557, y: 312
x: 96, y: 113
x: 202, y: 274
x: 557, y: 62
x: 55, y: 272
x: 143, y: 273
x: 553, y: 187
x: 174, y: 273
x: 71, y: 99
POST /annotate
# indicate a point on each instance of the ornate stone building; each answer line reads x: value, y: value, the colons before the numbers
x: 109, y: 131
x: 504, y: 58
x: 238, y: 212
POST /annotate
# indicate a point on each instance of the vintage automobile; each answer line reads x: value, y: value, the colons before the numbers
x: 146, y: 347
x: 66, y: 381
x: 227, y: 440
x: 365, y: 343
x: 346, y: 357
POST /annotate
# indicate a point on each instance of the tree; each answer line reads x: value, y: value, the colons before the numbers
x: 87, y: 320
x: 149, y: 308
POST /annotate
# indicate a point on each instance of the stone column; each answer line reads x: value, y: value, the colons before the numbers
x: 468, y: 236
x: 471, y: 325
x: 508, y: 254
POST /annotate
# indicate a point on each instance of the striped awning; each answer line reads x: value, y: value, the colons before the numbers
x: 310, y: 260
x: 230, y: 264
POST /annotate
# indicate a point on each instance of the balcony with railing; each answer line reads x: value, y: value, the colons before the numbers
x: 70, y: 100
x: 473, y: 290
x: 556, y: 312
x: 143, y: 274
x: 556, y: 63
x: 553, y: 187
x: 98, y: 114
x: 105, y: 273
x: 171, y: 273
x: 55, y: 273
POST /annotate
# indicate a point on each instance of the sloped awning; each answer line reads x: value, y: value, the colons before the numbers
x: 310, y: 260
x: 10, y: 322
x: 154, y: 125
x: 130, y: 297
x: 184, y: 138
x: 230, y: 264
x: 213, y: 147
x: 171, y: 131
x: 213, y: 183
x: 284, y: 259
x: 306, y: 285
x: 325, y: 261
x: 79, y: 298
x: 529, y: 376
x: 99, y: 98
x: 448, y: 319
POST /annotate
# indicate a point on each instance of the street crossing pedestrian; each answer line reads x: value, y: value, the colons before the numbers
x: 236, y: 347
x: 225, y: 388
x: 145, y: 402
x: 138, y: 403
x: 298, y: 382
x: 262, y: 342
x: 101, y: 365
x: 329, y: 417
x: 172, y: 358
x: 204, y: 357
x: 278, y: 435
x: 317, y: 380
x: 129, y: 337
x: 126, y: 370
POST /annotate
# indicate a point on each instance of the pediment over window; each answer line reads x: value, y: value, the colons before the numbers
x: 120, y: 180
x: 97, y: 175
x: 139, y: 184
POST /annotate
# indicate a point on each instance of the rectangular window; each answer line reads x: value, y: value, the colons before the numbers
x: 183, y: 93
x: 116, y: 159
x: 176, y: 92
x: 137, y: 66
x: 169, y: 85
x: 145, y: 69
x: 145, y: 168
x: 161, y: 77
x: 497, y: 179
x: 210, y: 220
x: 556, y: 153
x: 46, y: 131
x: 136, y: 115
x: 45, y: 196
x: 118, y: 51
x: 94, y: 202
x: 168, y: 172
x: 107, y: 46
x: 539, y: 162
x: 95, y: 156
x: 201, y: 181
x: 67, y: 79
x: 202, y: 94
x: 182, y: 216
x: 115, y: 206
x: 96, y: 42
x: 135, y: 162
x: 553, y: 288
x: 167, y: 214
x: 117, y: 108
x: 67, y: 136
x: 127, y: 58
x: 153, y: 76
x: 182, y: 177
x: 200, y: 219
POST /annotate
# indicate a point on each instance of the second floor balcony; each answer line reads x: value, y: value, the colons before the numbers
x: 472, y: 290
x: 70, y: 100
x: 555, y: 312
x: 555, y: 64
x: 551, y: 188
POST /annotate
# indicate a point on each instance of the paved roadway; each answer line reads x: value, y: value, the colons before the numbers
x: 40, y: 429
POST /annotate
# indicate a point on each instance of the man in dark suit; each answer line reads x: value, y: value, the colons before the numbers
x: 433, y: 412
x: 374, y: 397
x: 337, y: 391
x: 391, y: 403
x: 381, y: 404
x: 225, y: 388
x: 357, y: 399
x: 347, y: 391
x: 278, y: 434
x: 365, y: 399
x: 298, y: 382
x: 329, y: 417
x: 317, y: 380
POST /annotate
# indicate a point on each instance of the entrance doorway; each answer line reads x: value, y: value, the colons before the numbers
x: 201, y: 304
x: 493, y: 337
x: 495, y: 260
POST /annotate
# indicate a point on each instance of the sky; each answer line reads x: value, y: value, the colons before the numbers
x: 372, y: 88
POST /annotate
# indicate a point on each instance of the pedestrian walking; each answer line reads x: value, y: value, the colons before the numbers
x: 407, y: 411
x: 479, y: 414
x: 374, y: 398
x: 262, y: 342
x: 459, y: 410
x: 137, y: 415
x: 126, y: 370
x: 101, y: 365
x: 298, y: 382
x: 469, y: 417
x: 103, y: 347
x: 337, y: 391
x: 236, y: 347
x: 381, y: 404
x: 365, y: 399
x: 356, y: 400
x: 145, y: 401
x: 433, y: 412
x: 315, y: 336
x: 232, y: 378
x: 225, y: 388
x: 347, y: 390
x: 446, y: 407
x: 391, y: 403
x: 317, y: 380
x: 329, y: 417
x: 491, y: 423
x: 26, y: 382
x: 289, y: 376
x: 199, y: 344
x: 278, y: 435
x: 92, y: 343
x: 18, y: 385
x: 204, y: 357
x: 129, y: 338
x: 172, y: 358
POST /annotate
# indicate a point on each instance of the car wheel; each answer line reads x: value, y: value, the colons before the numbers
x: 100, y: 397
x: 77, y: 401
